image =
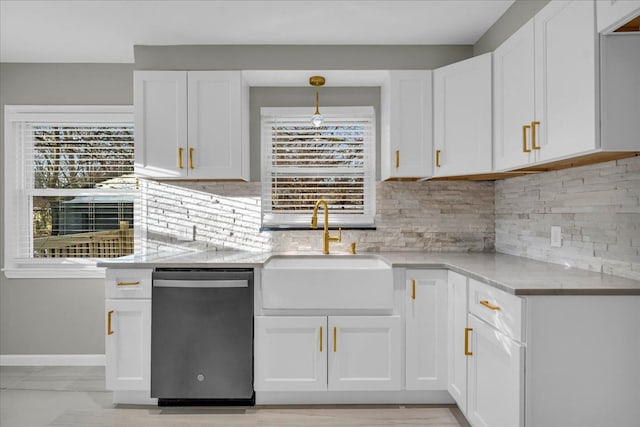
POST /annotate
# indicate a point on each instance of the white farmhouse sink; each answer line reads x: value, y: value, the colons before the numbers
x: 327, y: 282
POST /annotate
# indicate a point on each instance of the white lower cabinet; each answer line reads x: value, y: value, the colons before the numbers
x: 486, y: 363
x: 128, y: 344
x: 496, y: 378
x: 458, y: 342
x: 364, y: 353
x: 291, y: 353
x: 426, y: 329
x: 303, y: 353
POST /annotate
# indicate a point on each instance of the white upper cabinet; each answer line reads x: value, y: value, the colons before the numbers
x: 191, y: 124
x: 160, y: 109
x: 462, y: 117
x: 613, y: 13
x: 545, y: 88
x: 406, y: 102
x: 566, y: 79
x: 513, y: 83
x: 217, y: 148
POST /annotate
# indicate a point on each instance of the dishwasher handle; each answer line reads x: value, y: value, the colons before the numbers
x: 160, y: 283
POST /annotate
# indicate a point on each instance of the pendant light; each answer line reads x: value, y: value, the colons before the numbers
x: 317, y: 119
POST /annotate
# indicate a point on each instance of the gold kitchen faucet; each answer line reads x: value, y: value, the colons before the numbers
x: 326, y: 237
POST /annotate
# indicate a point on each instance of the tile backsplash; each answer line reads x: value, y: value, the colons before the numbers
x: 596, y: 206
x: 453, y: 216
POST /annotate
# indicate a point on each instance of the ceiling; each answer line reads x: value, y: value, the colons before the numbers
x: 107, y: 30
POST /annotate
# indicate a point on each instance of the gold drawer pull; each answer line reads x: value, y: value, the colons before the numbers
x: 335, y: 339
x: 533, y: 135
x: 489, y: 305
x: 466, y: 342
x: 109, y: 330
x: 191, y: 157
x: 397, y: 159
x: 524, y: 139
x: 437, y: 158
x: 413, y: 289
x: 136, y: 283
x: 180, y: 151
x: 320, y: 339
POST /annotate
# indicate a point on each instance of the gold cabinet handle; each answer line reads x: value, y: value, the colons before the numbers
x: 320, y: 339
x: 466, y: 342
x: 180, y: 151
x: 109, y: 330
x: 437, y: 158
x: 191, y: 157
x: 524, y: 139
x: 489, y: 305
x: 413, y: 289
x: 397, y: 159
x: 335, y: 339
x: 533, y: 135
x: 136, y: 283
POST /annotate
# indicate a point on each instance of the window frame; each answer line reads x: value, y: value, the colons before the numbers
x: 16, y: 205
x: 289, y: 221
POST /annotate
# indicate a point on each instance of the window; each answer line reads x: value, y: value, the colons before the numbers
x: 69, y: 184
x: 302, y: 164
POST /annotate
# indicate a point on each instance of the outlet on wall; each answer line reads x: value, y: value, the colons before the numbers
x: 556, y: 236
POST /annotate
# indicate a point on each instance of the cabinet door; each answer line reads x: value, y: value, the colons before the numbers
x: 613, y: 13
x: 457, y: 384
x: 496, y: 378
x: 216, y: 142
x: 364, y: 353
x: 565, y: 60
x: 160, y: 110
x: 462, y: 94
x: 426, y: 329
x: 128, y: 344
x: 513, y: 90
x: 291, y: 353
x: 407, y: 125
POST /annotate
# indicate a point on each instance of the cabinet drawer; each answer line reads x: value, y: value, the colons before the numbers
x: 498, y: 308
x: 128, y: 283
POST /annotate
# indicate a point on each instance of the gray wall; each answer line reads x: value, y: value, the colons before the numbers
x: 56, y: 316
x: 515, y: 17
x: 297, y: 57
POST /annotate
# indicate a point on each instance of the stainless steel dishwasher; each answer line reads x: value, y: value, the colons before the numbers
x: 202, y: 337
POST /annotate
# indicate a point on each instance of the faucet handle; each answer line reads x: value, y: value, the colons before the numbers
x: 337, y: 238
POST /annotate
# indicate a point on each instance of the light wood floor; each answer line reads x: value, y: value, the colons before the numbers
x: 75, y: 396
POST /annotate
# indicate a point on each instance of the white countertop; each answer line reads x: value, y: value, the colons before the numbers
x: 516, y: 275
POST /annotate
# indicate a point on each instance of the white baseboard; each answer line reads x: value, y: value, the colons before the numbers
x: 52, y: 359
x: 436, y: 397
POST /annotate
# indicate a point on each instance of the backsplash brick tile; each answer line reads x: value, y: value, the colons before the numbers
x: 454, y: 216
x: 597, y: 206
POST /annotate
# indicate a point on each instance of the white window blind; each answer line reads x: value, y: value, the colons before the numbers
x: 75, y: 189
x: 302, y: 164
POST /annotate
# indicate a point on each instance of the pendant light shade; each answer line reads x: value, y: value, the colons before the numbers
x: 317, y: 120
